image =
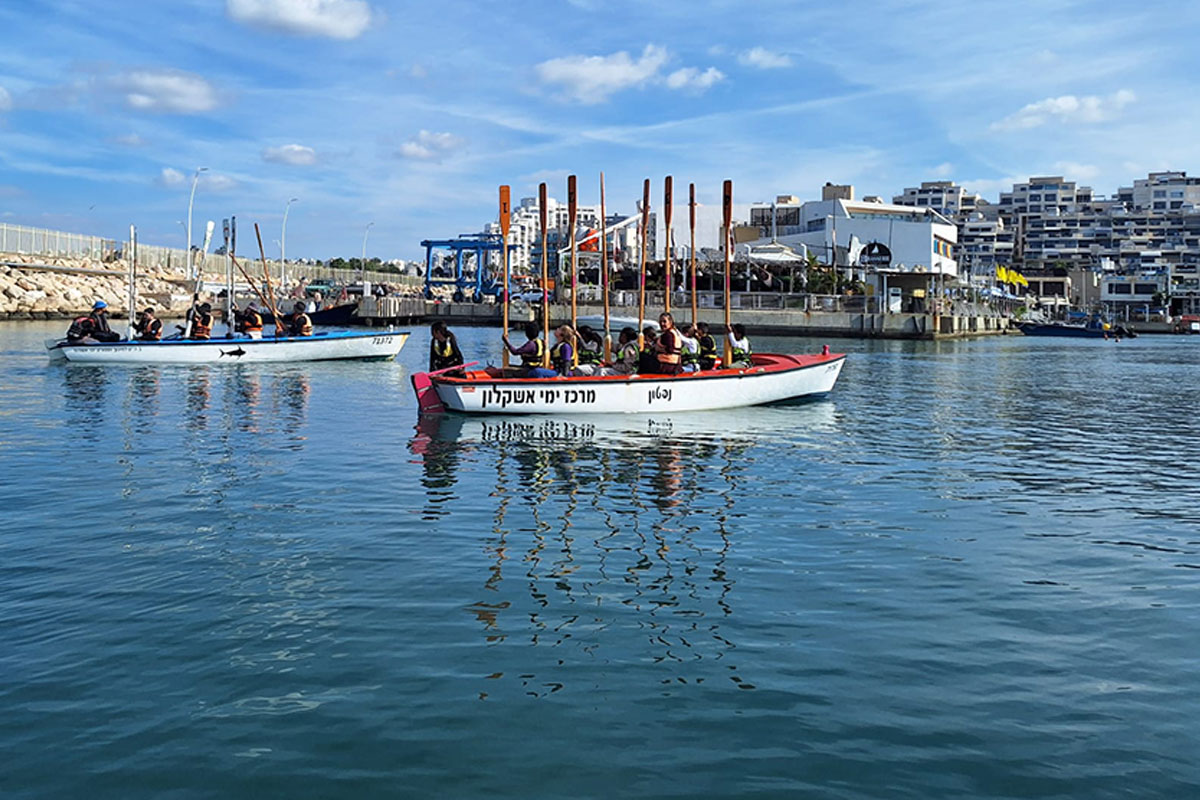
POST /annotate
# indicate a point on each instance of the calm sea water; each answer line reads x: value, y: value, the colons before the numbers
x: 972, y: 572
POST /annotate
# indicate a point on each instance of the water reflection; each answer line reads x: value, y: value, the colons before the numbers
x: 85, y: 390
x: 664, y: 492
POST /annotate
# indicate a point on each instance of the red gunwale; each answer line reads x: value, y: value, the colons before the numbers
x: 764, y: 364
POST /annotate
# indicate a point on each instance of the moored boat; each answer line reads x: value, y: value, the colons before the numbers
x: 1088, y: 330
x: 324, y: 346
x: 772, y: 378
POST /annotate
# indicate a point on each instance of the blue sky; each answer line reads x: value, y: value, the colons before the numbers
x: 409, y: 115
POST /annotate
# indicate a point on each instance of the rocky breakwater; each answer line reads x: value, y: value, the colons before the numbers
x: 55, y: 290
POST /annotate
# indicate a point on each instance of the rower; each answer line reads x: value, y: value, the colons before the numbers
x: 562, y: 355
x: 301, y: 325
x: 250, y: 322
x: 148, y: 327
x: 202, y: 322
x: 647, y: 358
x: 531, y: 352
x: 591, y: 350
x: 741, y: 357
x: 690, y: 357
x: 669, y: 349
x: 626, y: 362
x: 708, y: 346
x: 443, y: 348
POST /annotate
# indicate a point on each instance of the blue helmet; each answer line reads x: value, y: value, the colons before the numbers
x: 99, y: 304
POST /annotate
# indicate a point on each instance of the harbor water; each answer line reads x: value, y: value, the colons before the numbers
x: 973, y: 571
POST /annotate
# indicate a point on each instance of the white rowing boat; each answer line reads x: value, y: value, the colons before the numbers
x: 325, y: 346
x: 773, y: 378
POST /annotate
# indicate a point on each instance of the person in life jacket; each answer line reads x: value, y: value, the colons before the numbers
x: 626, y: 361
x: 740, y: 346
x: 443, y: 349
x: 202, y: 322
x: 669, y: 349
x: 590, y: 351
x: 690, y: 357
x: 647, y: 356
x: 532, y: 352
x: 96, y: 326
x: 148, y: 327
x: 301, y: 324
x: 562, y: 355
x: 708, y: 346
x: 250, y: 322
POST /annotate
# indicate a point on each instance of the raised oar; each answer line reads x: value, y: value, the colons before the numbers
x: 545, y: 279
x: 505, y: 219
x: 642, y: 276
x: 571, y: 219
x: 187, y: 329
x: 667, y: 205
x: 604, y: 275
x: 249, y: 280
x: 270, y: 289
x: 132, y: 257
x: 728, y: 212
x: 692, y: 226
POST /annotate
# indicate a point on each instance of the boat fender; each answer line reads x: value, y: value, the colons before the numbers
x: 824, y: 349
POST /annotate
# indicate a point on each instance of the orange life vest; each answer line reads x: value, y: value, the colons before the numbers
x: 202, y: 326
x: 677, y: 341
x: 301, y: 325
x: 252, y: 322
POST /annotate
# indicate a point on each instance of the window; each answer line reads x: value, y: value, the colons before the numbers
x: 1119, y: 288
x: 1160, y: 192
x: 1145, y: 288
x: 1033, y: 197
x: 816, y: 224
x: 1160, y: 206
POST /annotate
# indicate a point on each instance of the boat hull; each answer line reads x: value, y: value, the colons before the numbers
x: 772, y: 379
x: 382, y: 346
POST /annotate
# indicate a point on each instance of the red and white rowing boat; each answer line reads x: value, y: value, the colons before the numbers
x: 772, y: 378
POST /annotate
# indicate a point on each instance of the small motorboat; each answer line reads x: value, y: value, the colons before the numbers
x: 323, y: 346
x: 772, y: 378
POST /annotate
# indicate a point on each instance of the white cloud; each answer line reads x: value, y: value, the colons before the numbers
x: 1067, y: 108
x: 591, y: 79
x: 763, y: 58
x: 337, y: 19
x: 1073, y: 170
x: 129, y: 140
x: 693, y: 79
x: 429, y: 146
x: 170, y: 177
x: 216, y: 183
x: 295, y: 154
x: 5, y: 99
x: 943, y: 170
x: 166, y: 91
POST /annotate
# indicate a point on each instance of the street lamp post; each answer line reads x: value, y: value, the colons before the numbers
x: 363, y: 263
x: 283, y: 244
x: 191, y: 200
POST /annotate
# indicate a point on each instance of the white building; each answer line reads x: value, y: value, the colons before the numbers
x: 866, y: 235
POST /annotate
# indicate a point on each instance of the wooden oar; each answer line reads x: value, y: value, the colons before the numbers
x: 545, y: 279
x: 571, y: 219
x: 642, y: 276
x: 249, y: 280
x: 505, y: 220
x: 270, y: 289
x: 728, y: 212
x: 604, y: 275
x: 692, y: 227
x: 667, y: 209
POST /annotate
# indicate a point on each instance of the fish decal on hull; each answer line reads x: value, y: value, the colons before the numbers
x: 238, y: 353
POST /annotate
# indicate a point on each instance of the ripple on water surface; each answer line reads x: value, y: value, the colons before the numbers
x: 971, y: 572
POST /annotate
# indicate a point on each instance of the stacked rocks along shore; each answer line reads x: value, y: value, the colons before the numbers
x: 31, y: 288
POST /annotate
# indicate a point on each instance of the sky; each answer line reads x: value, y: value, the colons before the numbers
x: 409, y: 115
